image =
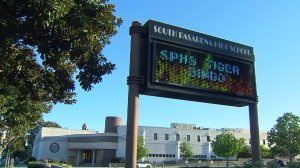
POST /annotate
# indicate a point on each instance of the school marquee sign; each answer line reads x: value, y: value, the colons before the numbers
x: 183, y: 64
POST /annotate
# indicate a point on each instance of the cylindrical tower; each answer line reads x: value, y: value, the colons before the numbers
x: 112, y: 123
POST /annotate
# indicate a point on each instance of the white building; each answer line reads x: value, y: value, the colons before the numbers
x: 84, y: 146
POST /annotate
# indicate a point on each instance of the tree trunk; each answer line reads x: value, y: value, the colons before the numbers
x: 227, y: 162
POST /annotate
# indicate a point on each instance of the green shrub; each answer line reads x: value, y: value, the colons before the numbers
x: 31, y: 159
x: 293, y: 165
x: 34, y: 165
x: 248, y: 166
x: 59, y: 163
x: 272, y: 164
x: 117, y: 160
x: 258, y: 165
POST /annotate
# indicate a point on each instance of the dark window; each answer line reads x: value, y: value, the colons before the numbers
x: 160, y: 155
x: 264, y: 142
x: 155, y: 136
x: 166, y: 136
x: 164, y: 155
x: 156, y: 155
x: 198, y: 138
x: 173, y: 155
x: 188, y: 138
x: 208, y: 138
x: 177, y: 137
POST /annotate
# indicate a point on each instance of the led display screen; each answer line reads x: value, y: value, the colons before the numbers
x: 181, y: 67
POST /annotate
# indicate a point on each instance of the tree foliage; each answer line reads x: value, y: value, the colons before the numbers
x: 17, y: 116
x: 265, y: 152
x: 284, y: 137
x: 45, y: 47
x: 33, y: 132
x: 44, y: 42
x: 142, y: 151
x: 226, y: 145
x: 51, y: 124
x: 186, y: 149
x: 245, y: 152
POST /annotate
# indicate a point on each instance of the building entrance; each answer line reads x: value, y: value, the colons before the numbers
x: 86, y: 156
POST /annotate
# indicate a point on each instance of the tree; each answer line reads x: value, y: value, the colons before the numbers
x: 43, y: 44
x: 33, y: 132
x: 22, y: 151
x: 265, y: 152
x: 245, y: 152
x: 284, y: 137
x: 226, y: 145
x: 142, y: 151
x: 51, y: 124
x: 17, y: 116
x: 45, y: 47
x: 186, y: 150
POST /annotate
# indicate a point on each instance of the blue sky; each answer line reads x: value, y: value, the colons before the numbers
x: 271, y: 27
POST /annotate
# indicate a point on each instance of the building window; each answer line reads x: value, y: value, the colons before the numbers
x: 166, y: 136
x: 198, y: 138
x: 264, y: 142
x: 188, y: 138
x: 208, y: 138
x: 177, y: 137
x: 155, y: 136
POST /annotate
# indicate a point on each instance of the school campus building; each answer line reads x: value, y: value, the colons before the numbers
x: 84, y: 146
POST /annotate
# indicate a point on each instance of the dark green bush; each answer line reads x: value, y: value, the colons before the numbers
x: 31, y: 159
x: 196, y: 167
x: 272, y: 164
x: 117, y: 160
x: 293, y: 165
x: 34, y: 165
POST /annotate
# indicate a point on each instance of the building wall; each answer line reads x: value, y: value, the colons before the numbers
x: 160, y: 149
x: 47, y: 136
x: 67, y: 145
x: 43, y: 149
x: 162, y: 143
